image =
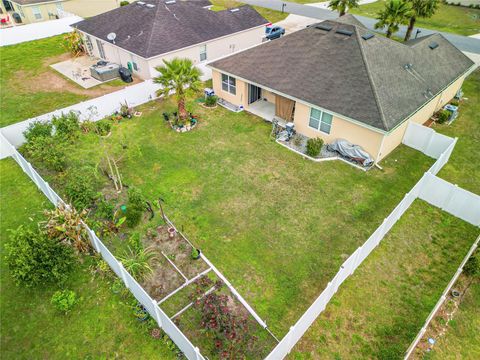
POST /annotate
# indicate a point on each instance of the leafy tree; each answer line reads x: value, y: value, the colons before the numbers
x: 35, y: 259
x: 179, y: 76
x: 395, y: 13
x: 420, y: 9
x: 342, y: 5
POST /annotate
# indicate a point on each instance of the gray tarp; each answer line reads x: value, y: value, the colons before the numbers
x: 351, y: 151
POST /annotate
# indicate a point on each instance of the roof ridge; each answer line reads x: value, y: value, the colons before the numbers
x: 370, y: 79
x: 149, y: 40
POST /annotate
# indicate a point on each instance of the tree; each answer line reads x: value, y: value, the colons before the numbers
x: 178, y: 75
x: 420, y: 9
x: 342, y: 5
x: 395, y: 13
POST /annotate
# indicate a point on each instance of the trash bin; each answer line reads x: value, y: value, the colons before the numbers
x: 125, y: 74
x: 17, y: 18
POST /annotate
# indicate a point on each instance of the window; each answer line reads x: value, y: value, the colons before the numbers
x: 320, y: 120
x: 100, y: 49
x: 203, y: 52
x: 229, y: 84
x: 36, y: 12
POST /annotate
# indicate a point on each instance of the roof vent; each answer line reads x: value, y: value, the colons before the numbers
x: 344, y: 32
x: 325, y: 27
x: 234, y: 10
x: 169, y: 2
x: 140, y: 3
x: 367, y: 36
x: 433, y: 45
x: 408, y: 66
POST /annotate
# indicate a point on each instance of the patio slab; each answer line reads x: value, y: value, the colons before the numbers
x: 78, y: 70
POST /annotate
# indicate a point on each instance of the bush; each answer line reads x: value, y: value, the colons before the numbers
x: 124, y: 3
x: 135, y: 206
x: 80, y: 187
x: 211, y: 100
x: 137, y: 262
x: 47, y: 151
x: 443, y: 116
x: 472, y: 267
x: 38, y: 129
x: 105, y: 209
x: 34, y: 259
x: 103, y: 127
x: 314, y: 146
x: 64, y: 300
x: 454, y: 102
x: 67, y: 126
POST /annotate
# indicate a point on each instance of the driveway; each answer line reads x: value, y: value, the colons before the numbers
x: 464, y: 43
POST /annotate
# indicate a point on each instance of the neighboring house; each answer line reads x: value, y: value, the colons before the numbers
x: 336, y: 79
x: 147, y: 32
x: 32, y: 11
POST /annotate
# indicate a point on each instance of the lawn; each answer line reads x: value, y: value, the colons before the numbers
x: 377, y: 312
x: 271, y: 15
x: 454, y: 19
x: 276, y: 225
x: 461, y: 340
x: 101, y: 325
x: 29, y: 87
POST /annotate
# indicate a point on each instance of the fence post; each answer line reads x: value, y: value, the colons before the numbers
x: 157, y: 313
x: 93, y: 238
x: 124, y: 277
x: 429, y: 142
x: 197, y: 353
x: 449, y: 197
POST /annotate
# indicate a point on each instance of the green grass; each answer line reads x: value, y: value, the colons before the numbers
x: 100, y: 326
x: 463, y: 167
x: 276, y: 225
x: 377, y: 312
x: 454, y: 19
x: 271, y: 15
x: 461, y: 340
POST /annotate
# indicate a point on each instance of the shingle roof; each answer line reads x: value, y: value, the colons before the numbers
x: 151, y: 31
x: 31, y: 2
x: 365, y: 80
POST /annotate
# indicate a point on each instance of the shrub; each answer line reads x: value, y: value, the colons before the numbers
x: 211, y: 100
x: 105, y: 209
x: 47, y: 151
x: 38, y: 129
x: 34, y: 259
x: 314, y: 146
x: 135, y: 206
x: 137, y: 261
x: 443, y: 115
x: 103, y: 127
x: 64, y: 300
x: 73, y: 42
x: 80, y: 187
x: 67, y: 126
x: 64, y: 225
x: 88, y: 126
x: 472, y: 267
x: 124, y: 3
x: 454, y: 102
x: 135, y: 242
x: 195, y: 253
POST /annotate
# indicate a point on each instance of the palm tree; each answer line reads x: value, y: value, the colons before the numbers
x: 342, y: 5
x: 421, y: 9
x: 395, y: 13
x: 178, y: 76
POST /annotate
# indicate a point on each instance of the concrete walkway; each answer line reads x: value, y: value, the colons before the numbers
x: 464, y: 43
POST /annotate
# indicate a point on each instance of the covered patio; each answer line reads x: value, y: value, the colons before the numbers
x: 270, y: 106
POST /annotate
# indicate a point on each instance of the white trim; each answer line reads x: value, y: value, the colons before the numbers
x: 39, y: 3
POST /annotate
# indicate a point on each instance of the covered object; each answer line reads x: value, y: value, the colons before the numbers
x: 351, y: 151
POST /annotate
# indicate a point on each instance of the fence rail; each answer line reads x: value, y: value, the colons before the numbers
x: 440, y: 302
x: 150, y: 305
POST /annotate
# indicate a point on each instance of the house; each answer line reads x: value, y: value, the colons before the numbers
x: 336, y: 79
x: 31, y: 11
x: 147, y: 32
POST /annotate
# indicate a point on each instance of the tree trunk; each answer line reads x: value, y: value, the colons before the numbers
x: 410, y: 28
x: 389, y: 33
x: 182, y: 112
x: 342, y: 12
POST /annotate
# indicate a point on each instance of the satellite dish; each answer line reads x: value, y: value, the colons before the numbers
x: 112, y: 37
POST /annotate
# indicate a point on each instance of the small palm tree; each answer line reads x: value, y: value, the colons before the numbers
x: 395, y: 13
x: 178, y: 75
x: 421, y: 9
x: 342, y: 5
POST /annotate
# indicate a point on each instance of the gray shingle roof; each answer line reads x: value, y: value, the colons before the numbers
x: 365, y: 80
x: 163, y: 28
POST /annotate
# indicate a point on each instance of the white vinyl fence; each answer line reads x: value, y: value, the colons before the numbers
x: 441, y: 300
x: 163, y: 321
x: 452, y: 199
x: 93, y: 110
x: 28, y: 32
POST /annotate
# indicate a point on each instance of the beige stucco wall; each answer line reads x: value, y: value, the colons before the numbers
x: 394, y: 139
x: 240, y: 98
x: 88, y: 8
x: 268, y: 95
x: 27, y: 14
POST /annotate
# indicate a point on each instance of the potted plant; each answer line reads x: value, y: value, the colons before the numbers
x: 140, y: 313
x: 171, y: 232
x: 195, y: 254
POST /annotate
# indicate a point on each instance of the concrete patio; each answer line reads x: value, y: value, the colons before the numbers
x: 78, y: 70
x: 263, y: 109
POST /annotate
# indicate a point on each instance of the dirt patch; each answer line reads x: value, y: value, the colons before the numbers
x: 163, y: 280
